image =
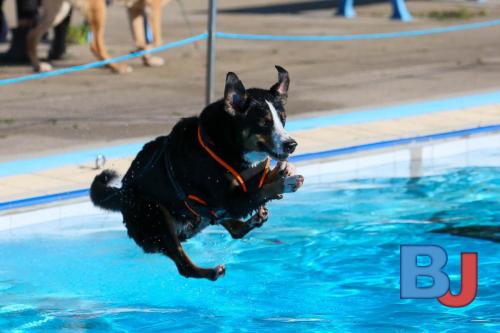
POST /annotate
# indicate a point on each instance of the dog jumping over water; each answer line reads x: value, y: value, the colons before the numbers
x: 211, y: 169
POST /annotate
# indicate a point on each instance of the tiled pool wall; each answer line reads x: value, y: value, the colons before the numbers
x: 412, y: 160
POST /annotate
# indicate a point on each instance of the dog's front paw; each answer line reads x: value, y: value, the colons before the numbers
x: 120, y: 68
x: 293, y: 183
x: 43, y: 67
x: 152, y: 61
x: 289, y: 169
x: 260, y: 217
x: 282, y: 179
x: 218, y: 272
x: 281, y: 170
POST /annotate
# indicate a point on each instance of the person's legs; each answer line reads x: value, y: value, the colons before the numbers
x: 26, y: 18
x: 27, y: 11
x: 4, y: 28
x: 58, y: 46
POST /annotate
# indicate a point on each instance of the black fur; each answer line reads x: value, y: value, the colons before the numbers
x: 149, y: 197
x: 102, y: 194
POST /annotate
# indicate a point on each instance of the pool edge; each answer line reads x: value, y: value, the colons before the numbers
x: 319, y: 155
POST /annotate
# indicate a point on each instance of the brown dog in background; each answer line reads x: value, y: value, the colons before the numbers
x: 95, y: 12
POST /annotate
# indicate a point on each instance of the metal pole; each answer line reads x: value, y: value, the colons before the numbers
x: 212, y: 20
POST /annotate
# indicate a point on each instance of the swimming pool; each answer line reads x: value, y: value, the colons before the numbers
x: 327, y: 260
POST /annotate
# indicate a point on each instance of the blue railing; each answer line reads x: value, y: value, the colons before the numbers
x: 226, y: 35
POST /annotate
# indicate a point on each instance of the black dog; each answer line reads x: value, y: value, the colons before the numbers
x: 211, y: 169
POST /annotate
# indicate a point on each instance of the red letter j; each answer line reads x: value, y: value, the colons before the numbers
x: 468, y: 284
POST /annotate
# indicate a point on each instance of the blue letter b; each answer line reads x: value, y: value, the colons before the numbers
x: 410, y: 271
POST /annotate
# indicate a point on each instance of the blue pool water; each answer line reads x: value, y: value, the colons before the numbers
x: 327, y: 260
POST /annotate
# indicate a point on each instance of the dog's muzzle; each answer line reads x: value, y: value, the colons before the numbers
x: 289, y: 146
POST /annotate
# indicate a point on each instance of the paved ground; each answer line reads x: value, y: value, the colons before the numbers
x: 94, y: 107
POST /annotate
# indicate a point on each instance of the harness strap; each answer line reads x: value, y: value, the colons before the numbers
x: 264, y: 173
x: 198, y: 200
x: 196, y: 215
x: 179, y: 192
x: 219, y: 160
x: 202, y: 202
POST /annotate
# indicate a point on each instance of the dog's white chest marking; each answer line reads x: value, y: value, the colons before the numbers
x: 279, y: 135
x: 255, y: 157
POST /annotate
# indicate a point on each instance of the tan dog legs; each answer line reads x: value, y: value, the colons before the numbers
x: 136, y: 20
x: 51, y: 7
x: 95, y: 11
x: 96, y: 14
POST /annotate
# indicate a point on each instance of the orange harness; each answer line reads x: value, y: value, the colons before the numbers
x: 230, y: 169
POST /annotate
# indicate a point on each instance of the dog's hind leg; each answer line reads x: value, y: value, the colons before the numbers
x: 155, y: 18
x: 50, y: 10
x: 136, y: 20
x: 96, y: 14
x: 173, y: 249
x: 238, y: 229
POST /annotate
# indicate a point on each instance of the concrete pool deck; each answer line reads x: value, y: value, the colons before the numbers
x: 74, y: 171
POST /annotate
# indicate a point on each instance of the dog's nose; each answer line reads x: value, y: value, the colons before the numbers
x: 289, y: 146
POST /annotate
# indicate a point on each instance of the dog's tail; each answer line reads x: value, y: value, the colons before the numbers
x: 103, y: 195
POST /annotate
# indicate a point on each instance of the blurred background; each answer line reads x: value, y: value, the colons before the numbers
x: 95, y: 106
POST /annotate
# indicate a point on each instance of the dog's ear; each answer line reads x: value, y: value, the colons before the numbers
x: 234, y: 94
x: 281, y: 87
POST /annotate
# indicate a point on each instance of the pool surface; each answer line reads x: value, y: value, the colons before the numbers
x: 327, y: 260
